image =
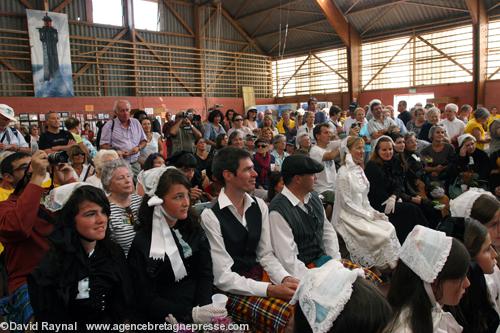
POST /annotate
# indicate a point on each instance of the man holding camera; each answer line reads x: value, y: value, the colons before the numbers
x: 10, y: 138
x: 24, y: 227
x: 182, y: 132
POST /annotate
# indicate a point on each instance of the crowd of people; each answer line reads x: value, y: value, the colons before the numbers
x: 357, y: 220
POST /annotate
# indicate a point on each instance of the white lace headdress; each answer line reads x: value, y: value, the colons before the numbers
x: 58, y: 196
x: 425, y: 252
x: 323, y: 293
x: 461, y: 206
x: 162, y: 239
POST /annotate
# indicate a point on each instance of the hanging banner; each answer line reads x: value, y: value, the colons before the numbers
x: 50, y: 53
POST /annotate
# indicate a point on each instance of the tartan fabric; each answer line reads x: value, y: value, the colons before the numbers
x: 263, y: 314
x: 369, y: 275
x: 17, y: 307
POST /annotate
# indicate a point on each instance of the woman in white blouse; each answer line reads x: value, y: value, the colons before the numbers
x: 369, y: 236
x: 154, y: 144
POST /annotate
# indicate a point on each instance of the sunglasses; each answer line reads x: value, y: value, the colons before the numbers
x: 130, y: 215
x: 239, y: 119
x: 261, y: 146
x: 79, y: 154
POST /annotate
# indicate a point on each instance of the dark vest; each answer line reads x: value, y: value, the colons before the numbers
x: 307, y: 228
x: 240, y: 243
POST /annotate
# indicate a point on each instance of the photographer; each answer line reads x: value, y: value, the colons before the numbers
x: 24, y: 226
x: 183, y: 133
x: 60, y: 170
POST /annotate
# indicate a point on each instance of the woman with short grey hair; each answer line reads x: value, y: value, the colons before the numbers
x: 279, y: 151
x: 102, y: 157
x: 432, y: 116
x: 117, y: 180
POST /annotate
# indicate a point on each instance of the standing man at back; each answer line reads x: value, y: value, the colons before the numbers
x: 55, y: 139
x: 404, y: 114
x: 125, y: 135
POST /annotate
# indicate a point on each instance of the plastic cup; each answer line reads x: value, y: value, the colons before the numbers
x: 464, y: 187
x: 219, y: 300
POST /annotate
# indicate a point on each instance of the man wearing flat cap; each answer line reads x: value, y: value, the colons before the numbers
x: 301, y: 235
x: 10, y: 138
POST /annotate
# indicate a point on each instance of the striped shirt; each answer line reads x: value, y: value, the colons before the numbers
x: 120, y: 226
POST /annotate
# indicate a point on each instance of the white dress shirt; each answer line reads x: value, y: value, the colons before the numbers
x: 284, y: 244
x: 224, y: 278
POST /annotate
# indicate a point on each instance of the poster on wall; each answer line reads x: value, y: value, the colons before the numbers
x: 50, y: 53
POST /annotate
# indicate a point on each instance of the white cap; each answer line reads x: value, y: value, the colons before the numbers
x: 463, y: 137
x: 301, y: 111
x: 461, y: 206
x: 425, y: 252
x: 323, y: 293
x: 58, y: 196
x: 7, y: 111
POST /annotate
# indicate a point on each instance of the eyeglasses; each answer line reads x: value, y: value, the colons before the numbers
x: 22, y: 167
x: 130, y: 215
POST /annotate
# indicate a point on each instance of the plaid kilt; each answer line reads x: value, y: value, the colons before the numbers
x: 263, y: 314
x: 369, y: 275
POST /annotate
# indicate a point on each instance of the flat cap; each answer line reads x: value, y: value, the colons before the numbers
x: 300, y: 165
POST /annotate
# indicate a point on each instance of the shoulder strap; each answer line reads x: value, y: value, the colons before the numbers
x: 111, y: 133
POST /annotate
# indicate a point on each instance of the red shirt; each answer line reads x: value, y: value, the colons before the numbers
x: 24, y: 234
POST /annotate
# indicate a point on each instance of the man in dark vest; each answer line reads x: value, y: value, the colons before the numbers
x: 300, y: 233
x: 244, y: 265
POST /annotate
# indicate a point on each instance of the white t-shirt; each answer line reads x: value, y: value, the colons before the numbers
x: 325, y: 180
x: 453, y: 128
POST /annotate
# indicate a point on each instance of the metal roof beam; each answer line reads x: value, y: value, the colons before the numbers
x: 291, y: 28
x: 61, y: 6
x: 436, y: 6
x: 242, y: 31
x: 262, y: 11
x: 351, y: 39
x: 390, y: 3
x: 479, y: 16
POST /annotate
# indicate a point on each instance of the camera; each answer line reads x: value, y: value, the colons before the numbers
x: 59, y: 157
x: 186, y: 114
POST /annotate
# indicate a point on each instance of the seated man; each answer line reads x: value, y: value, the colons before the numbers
x: 244, y: 265
x: 301, y: 234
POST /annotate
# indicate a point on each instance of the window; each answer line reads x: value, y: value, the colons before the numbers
x: 493, y: 67
x: 411, y: 100
x: 425, y: 59
x: 317, y: 73
x: 146, y: 15
x: 107, y: 12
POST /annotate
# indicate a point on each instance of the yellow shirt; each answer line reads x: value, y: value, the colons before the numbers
x: 4, y: 193
x: 281, y: 129
x: 472, y: 124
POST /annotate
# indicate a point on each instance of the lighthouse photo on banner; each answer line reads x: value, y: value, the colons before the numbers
x: 50, y: 53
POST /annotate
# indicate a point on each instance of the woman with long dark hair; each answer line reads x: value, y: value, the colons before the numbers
x: 385, y: 191
x: 476, y: 312
x: 214, y: 127
x: 84, y: 277
x: 431, y: 273
x: 170, y: 258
